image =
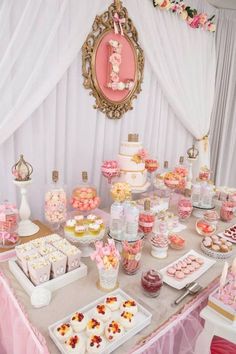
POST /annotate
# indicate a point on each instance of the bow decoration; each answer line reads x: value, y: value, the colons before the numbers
x: 118, y: 22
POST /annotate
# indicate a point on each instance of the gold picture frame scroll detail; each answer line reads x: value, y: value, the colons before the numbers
x: 102, y: 25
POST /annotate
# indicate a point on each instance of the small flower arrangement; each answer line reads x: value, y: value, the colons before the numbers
x: 141, y: 156
x: 121, y: 191
x: 106, y: 255
x: 115, y: 60
x: 191, y: 16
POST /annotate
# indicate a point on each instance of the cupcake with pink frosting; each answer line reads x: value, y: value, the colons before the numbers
x: 160, y: 244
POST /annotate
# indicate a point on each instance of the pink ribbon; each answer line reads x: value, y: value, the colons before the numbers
x: 118, y: 23
x: 4, y: 236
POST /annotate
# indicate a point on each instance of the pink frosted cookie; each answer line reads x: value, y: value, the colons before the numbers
x: 188, y: 261
x: 191, y: 268
x: 178, y: 266
x: 200, y: 260
x: 192, y: 257
x: 171, y: 271
x: 186, y: 271
x: 179, y: 275
x: 184, y: 264
x: 196, y: 265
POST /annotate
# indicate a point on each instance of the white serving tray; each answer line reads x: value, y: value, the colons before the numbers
x: 52, y: 284
x: 143, y: 319
x: 180, y: 284
x: 221, y: 234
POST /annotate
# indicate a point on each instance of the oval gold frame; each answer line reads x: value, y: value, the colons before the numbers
x: 102, y: 25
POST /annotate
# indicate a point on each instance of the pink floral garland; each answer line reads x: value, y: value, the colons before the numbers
x: 191, y: 16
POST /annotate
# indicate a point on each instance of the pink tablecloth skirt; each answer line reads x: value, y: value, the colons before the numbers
x: 17, y: 335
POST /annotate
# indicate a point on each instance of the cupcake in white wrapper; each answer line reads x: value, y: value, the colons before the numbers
x: 39, y: 270
x: 58, y: 263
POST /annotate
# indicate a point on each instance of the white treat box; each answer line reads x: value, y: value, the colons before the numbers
x: 52, y: 284
x: 223, y: 310
x: 180, y: 284
x: 143, y: 319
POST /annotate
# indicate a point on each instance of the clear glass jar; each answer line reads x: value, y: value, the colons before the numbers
x: 8, y: 225
x: 151, y: 283
x: 227, y: 211
x: 84, y: 197
x: 185, y: 208
x: 131, y: 256
x: 55, y: 203
x: 131, y: 222
x: 207, y: 196
x: 146, y: 218
x: 117, y: 220
x: 196, y: 194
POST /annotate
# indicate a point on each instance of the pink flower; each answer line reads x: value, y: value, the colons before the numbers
x: 211, y: 27
x: 203, y: 18
x: 143, y: 154
x: 114, y: 77
x: 115, y: 59
x: 195, y: 21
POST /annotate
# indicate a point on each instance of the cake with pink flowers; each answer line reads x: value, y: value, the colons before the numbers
x: 131, y: 160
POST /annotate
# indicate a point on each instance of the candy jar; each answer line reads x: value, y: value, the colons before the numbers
x: 131, y: 222
x: 117, y: 220
x: 131, y: 256
x: 146, y: 218
x: 227, y: 211
x: 211, y: 216
x: 8, y: 225
x: 110, y: 169
x: 159, y: 245
x: 55, y: 203
x: 184, y: 209
x: 84, y: 197
x: 204, y: 173
x: 151, y: 283
x: 207, y: 196
x: 205, y: 227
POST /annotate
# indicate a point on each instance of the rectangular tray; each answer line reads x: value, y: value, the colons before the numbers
x: 143, y: 320
x: 180, y: 284
x: 52, y: 284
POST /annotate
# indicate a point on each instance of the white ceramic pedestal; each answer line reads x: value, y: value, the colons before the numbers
x: 26, y: 226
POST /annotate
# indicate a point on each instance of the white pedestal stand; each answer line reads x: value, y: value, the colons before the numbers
x: 26, y: 226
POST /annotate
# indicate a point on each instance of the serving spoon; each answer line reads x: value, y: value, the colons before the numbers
x: 191, y: 289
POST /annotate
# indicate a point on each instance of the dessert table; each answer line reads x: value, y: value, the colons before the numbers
x: 173, y: 329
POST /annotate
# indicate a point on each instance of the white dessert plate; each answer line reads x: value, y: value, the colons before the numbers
x: 52, y: 284
x: 180, y: 284
x: 143, y: 319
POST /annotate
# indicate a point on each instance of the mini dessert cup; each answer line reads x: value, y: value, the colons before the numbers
x: 94, y: 229
x: 108, y: 278
x: 151, y: 283
x: 159, y: 245
x: 80, y: 230
x: 70, y: 225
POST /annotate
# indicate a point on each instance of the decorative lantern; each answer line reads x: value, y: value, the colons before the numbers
x: 22, y: 170
x: 192, y: 153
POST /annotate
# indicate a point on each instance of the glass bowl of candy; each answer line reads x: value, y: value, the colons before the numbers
x: 85, y: 198
x: 176, y: 242
x: 205, y: 228
x: 151, y: 283
x: 227, y: 211
x: 185, y: 208
x: 212, y: 216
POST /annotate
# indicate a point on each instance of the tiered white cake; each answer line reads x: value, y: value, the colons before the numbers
x: 131, y: 165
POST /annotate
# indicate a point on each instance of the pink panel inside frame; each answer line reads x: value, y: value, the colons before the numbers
x: 102, y: 66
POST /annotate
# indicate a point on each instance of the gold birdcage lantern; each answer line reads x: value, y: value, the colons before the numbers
x: 22, y: 170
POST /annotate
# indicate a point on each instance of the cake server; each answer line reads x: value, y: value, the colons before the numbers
x: 191, y: 289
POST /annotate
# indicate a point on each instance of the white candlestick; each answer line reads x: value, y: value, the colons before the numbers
x: 26, y: 226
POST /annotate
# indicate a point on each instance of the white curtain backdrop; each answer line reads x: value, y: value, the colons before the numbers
x: 223, y: 125
x: 183, y: 62
x: 65, y: 132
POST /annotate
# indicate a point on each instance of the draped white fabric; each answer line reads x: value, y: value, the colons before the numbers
x: 65, y: 132
x: 184, y: 63
x: 42, y: 42
x: 223, y: 125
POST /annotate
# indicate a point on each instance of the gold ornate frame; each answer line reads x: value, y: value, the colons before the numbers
x: 101, y: 26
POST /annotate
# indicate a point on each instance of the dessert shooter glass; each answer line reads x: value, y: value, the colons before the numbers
x: 131, y: 256
x: 151, y: 283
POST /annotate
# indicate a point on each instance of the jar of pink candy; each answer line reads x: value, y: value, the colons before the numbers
x: 131, y: 256
x: 55, y: 203
x: 84, y: 197
x: 8, y: 225
x: 227, y: 211
x: 146, y: 218
x: 160, y: 245
x: 185, y: 208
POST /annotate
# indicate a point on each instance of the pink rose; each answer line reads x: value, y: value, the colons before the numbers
x: 114, y: 77
x: 115, y: 59
x: 203, y: 19
x: 211, y: 27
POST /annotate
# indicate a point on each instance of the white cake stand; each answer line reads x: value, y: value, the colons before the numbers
x: 142, y: 189
x: 26, y: 226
